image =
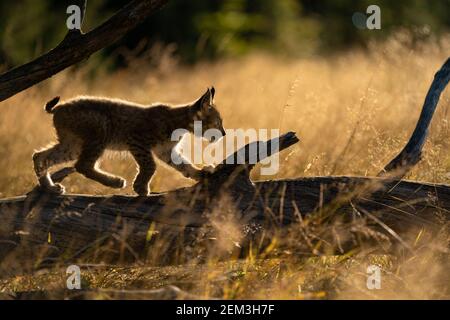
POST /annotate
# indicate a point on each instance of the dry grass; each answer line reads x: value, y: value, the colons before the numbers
x: 352, y: 112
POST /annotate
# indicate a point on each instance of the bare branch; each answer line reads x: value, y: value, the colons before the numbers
x: 76, y: 47
x: 411, y: 153
x: 262, y: 150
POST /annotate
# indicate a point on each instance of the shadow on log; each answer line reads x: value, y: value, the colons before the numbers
x: 226, y: 214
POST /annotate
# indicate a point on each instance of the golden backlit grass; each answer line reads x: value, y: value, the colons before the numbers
x: 353, y: 112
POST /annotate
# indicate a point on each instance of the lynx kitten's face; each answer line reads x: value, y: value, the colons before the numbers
x: 212, y: 120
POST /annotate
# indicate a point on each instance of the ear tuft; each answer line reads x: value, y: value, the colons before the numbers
x: 206, y: 100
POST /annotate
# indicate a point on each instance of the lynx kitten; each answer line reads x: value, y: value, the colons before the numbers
x: 87, y: 126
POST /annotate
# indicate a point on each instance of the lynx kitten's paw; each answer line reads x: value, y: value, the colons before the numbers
x: 119, y: 183
x: 56, y: 188
x: 142, y: 192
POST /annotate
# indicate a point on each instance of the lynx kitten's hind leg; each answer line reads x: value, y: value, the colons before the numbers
x: 45, y: 159
x: 85, y: 165
x: 146, y: 166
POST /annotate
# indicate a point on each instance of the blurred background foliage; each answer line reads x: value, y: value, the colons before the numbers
x: 194, y: 30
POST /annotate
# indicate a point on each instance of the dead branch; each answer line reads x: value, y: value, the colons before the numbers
x: 76, y: 47
x: 411, y: 153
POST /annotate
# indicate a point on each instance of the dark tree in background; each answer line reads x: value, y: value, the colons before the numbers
x: 202, y: 29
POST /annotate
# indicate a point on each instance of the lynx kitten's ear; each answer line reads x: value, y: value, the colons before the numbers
x: 205, y: 102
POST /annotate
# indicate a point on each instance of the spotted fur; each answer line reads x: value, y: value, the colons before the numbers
x: 87, y: 126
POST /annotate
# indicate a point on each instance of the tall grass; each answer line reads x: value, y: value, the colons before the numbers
x: 353, y: 112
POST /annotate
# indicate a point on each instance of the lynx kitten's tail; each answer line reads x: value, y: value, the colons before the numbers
x: 51, y: 104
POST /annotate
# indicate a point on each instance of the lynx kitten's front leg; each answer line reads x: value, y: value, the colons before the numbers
x: 171, y: 156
